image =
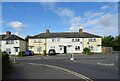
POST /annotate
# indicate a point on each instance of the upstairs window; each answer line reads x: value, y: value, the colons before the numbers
x: 76, y: 40
x: 56, y: 40
x: 91, y: 40
x: 37, y: 41
x: 9, y: 41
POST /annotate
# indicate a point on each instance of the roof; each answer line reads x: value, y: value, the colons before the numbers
x: 66, y: 35
x: 10, y: 37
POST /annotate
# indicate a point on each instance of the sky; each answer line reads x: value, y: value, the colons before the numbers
x: 31, y: 18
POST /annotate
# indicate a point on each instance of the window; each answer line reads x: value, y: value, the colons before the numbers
x: 8, y: 50
x: 92, y: 40
x: 91, y: 47
x: 60, y: 48
x: 30, y: 47
x: 38, y: 49
x: 77, y: 47
x: 16, y: 49
x: 56, y: 40
x: 72, y: 40
x: 76, y: 40
x: 9, y: 41
x: 37, y: 41
x: 52, y: 47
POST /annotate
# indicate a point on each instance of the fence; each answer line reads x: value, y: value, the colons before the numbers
x: 106, y: 50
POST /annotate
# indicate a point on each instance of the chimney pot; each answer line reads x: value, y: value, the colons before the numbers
x: 8, y: 33
x: 80, y: 30
x: 47, y: 31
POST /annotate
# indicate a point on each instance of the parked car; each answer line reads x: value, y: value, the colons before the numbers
x: 51, y: 52
x: 29, y: 53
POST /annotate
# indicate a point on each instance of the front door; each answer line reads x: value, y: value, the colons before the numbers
x: 65, y: 49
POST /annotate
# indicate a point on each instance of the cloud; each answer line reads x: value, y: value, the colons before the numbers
x: 105, y: 24
x: 72, y: 20
x: 61, y: 11
x: 91, y: 15
x: 75, y: 22
x: 17, y: 25
x: 65, y: 12
x: 105, y: 7
x: 96, y: 22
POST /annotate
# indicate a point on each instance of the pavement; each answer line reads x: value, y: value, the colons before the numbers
x: 27, y: 71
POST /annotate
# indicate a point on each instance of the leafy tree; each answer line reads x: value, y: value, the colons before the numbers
x: 110, y: 41
x: 107, y: 41
x: 26, y: 38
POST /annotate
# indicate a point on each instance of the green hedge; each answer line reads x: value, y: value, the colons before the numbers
x: 6, y: 63
x: 21, y: 53
x: 86, y: 51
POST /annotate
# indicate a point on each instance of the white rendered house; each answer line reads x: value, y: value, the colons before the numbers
x: 64, y: 42
x: 12, y: 44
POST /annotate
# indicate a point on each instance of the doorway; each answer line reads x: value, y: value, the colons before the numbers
x: 65, y: 49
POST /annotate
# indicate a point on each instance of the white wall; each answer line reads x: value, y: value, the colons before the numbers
x: 65, y: 42
x: 4, y: 46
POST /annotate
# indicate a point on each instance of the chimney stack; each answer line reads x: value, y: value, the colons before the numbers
x: 47, y: 31
x: 80, y: 29
x: 8, y: 33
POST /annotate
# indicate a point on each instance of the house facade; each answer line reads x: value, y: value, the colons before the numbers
x: 64, y: 42
x: 12, y: 44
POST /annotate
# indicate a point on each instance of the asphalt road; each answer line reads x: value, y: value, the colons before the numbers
x: 88, y: 69
x: 27, y: 71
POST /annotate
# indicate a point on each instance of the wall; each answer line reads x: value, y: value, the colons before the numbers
x: 22, y: 45
x: 65, y: 42
x: 11, y: 46
x: 96, y: 45
x: 36, y: 45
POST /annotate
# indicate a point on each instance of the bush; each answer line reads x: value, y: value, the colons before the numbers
x: 86, y: 50
x: 44, y: 52
x: 6, y: 64
x: 21, y: 53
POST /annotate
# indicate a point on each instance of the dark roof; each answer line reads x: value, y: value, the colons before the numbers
x: 10, y: 37
x: 66, y: 35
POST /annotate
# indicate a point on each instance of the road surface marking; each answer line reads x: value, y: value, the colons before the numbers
x: 66, y: 70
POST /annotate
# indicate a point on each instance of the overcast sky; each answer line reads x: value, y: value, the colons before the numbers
x: 31, y: 18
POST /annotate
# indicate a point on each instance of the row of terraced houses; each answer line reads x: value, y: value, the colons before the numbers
x: 61, y: 42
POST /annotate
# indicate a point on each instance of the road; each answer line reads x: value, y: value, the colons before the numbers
x: 85, y: 65
x: 27, y: 71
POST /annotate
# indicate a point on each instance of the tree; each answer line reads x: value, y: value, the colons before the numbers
x: 107, y: 41
x: 110, y: 41
x: 26, y: 38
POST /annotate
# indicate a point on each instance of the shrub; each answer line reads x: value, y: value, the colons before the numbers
x: 21, y: 53
x: 44, y: 52
x: 6, y: 64
x: 86, y: 50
